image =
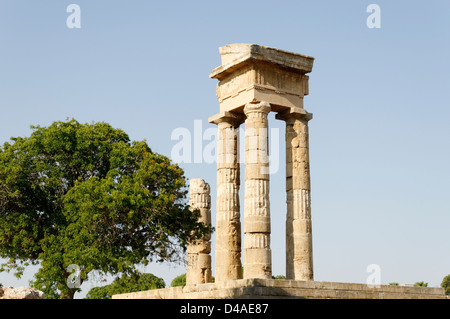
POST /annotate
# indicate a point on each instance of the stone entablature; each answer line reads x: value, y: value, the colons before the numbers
x: 251, y: 72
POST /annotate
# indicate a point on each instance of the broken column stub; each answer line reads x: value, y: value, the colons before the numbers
x: 198, y: 252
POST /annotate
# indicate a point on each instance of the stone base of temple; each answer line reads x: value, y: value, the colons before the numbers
x: 287, y: 289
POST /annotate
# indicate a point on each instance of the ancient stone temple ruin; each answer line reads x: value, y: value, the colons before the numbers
x: 253, y: 81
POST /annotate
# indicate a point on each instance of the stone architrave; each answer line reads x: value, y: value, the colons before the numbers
x: 198, y: 252
x: 253, y: 73
x: 257, y: 253
x: 299, y: 258
x: 228, y: 264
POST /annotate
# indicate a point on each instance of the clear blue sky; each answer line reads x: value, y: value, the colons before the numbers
x: 379, y: 140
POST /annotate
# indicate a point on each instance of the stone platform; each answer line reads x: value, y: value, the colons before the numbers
x: 286, y: 289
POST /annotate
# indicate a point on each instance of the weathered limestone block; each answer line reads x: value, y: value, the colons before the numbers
x: 287, y: 289
x: 257, y: 253
x: 199, y: 259
x: 20, y: 293
x: 251, y: 72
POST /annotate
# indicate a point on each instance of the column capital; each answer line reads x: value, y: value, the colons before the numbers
x: 260, y: 107
x: 198, y: 186
x: 235, y: 119
x: 294, y: 114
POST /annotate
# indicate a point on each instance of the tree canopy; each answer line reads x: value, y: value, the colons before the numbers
x: 421, y: 284
x: 446, y: 284
x: 179, y: 281
x: 126, y: 284
x: 84, y: 194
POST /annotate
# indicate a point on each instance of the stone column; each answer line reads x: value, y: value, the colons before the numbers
x: 198, y: 252
x: 299, y: 260
x: 228, y: 264
x: 257, y: 253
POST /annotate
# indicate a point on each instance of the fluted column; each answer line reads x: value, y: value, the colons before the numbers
x: 198, y: 252
x: 257, y: 253
x: 299, y: 258
x: 228, y: 264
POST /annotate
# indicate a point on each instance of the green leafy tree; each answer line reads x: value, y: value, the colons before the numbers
x: 126, y: 284
x: 421, y: 284
x: 446, y: 284
x: 179, y: 281
x: 84, y: 194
